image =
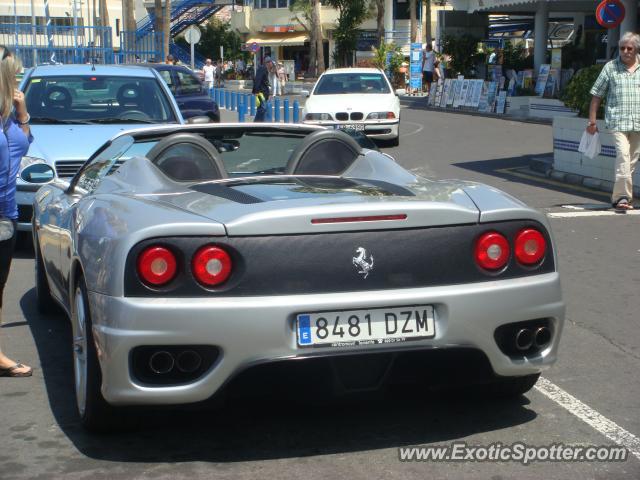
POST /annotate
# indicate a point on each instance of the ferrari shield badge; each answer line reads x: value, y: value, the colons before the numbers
x: 363, y: 262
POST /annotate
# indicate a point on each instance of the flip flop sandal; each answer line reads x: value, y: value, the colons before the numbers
x: 11, y: 371
x: 623, y: 205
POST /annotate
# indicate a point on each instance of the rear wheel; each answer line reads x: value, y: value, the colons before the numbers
x: 95, y: 413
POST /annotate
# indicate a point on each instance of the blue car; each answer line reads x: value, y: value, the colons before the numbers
x: 190, y: 93
x: 75, y: 108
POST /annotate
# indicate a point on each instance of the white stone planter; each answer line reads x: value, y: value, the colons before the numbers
x: 538, y: 107
x: 567, y: 133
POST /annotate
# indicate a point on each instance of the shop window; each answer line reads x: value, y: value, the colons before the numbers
x: 282, y: 3
x: 272, y: 4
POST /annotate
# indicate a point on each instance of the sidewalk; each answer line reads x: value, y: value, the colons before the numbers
x: 420, y: 102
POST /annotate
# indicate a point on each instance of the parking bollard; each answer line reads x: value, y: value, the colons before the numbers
x: 234, y: 101
x: 285, y: 110
x: 252, y: 101
x: 227, y: 99
x: 296, y: 111
x: 241, y: 113
x: 276, y: 110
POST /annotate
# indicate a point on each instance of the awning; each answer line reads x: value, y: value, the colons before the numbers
x: 523, y: 5
x: 278, y: 39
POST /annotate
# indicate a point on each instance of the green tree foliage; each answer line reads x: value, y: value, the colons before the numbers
x: 576, y: 94
x: 463, y: 51
x: 351, y: 13
x: 515, y: 57
x: 395, y: 61
x: 215, y: 34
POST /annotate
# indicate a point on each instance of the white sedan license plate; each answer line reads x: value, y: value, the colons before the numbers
x: 365, y: 327
x: 350, y: 126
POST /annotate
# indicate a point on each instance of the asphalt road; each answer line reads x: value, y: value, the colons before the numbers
x: 591, y: 397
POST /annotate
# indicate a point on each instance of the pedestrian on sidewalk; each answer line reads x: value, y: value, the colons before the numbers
x: 273, y: 79
x: 261, y: 88
x: 208, y: 72
x: 14, y: 143
x: 619, y: 80
x: 428, y: 66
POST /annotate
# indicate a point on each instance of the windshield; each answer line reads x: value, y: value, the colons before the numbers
x: 97, y: 99
x: 340, y: 83
x: 243, y: 153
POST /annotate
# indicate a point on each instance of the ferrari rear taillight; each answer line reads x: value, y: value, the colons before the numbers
x: 492, y: 251
x: 211, y: 265
x: 530, y: 246
x: 157, y: 266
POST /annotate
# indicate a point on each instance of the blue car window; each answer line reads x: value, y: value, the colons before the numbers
x: 97, y: 99
x: 188, y: 83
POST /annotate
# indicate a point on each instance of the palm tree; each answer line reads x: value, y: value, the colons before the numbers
x: 316, y: 26
x: 380, y: 20
x: 414, y: 20
x: 166, y: 26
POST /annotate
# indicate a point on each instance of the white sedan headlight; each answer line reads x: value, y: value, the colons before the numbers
x: 381, y: 116
x: 318, y: 116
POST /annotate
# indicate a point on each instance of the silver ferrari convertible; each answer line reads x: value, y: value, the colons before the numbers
x: 192, y: 258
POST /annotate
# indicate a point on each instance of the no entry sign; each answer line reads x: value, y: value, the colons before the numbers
x: 610, y: 13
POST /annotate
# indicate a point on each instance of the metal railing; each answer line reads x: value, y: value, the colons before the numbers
x: 135, y: 49
x: 38, y: 44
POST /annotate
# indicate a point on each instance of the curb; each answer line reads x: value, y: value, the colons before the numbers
x: 544, y: 165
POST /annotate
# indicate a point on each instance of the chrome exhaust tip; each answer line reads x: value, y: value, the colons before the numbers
x: 188, y: 361
x: 524, y: 339
x: 542, y: 337
x: 161, y: 362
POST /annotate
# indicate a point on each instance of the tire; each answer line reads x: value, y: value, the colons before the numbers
x: 94, y: 411
x: 512, y: 386
x: 44, y: 301
x: 394, y: 142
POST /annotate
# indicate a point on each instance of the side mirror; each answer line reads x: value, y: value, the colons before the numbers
x: 37, y: 173
x: 305, y: 93
x: 199, y: 120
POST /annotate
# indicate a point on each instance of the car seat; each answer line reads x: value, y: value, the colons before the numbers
x: 325, y: 152
x: 58, y: 98
x: 187, y: 157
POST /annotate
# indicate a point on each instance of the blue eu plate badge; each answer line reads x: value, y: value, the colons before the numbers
x: 304, y: 330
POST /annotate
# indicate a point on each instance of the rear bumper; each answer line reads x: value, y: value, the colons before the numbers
x: 253, y: 330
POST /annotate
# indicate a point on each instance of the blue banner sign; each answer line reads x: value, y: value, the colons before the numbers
x: 415, y: 69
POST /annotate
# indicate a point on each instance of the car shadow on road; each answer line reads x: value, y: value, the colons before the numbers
x: 263, y: 428
x: 516, y: 169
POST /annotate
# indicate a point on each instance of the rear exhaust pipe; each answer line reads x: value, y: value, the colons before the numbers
x: 161, y: 362
x: 188, y: 361
x: 524, y: 339
x: 542, y: 337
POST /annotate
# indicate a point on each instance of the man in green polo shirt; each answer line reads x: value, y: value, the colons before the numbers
x: 620, y: 82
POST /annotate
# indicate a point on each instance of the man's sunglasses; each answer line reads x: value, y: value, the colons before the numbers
x: 627, y: 49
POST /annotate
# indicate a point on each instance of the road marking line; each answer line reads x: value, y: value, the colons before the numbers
x: 603, y: 425
x: 601, y: 213
x: 412, y: 133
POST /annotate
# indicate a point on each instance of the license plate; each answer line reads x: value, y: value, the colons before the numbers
x: 365, y: 327
x: 350, y: 126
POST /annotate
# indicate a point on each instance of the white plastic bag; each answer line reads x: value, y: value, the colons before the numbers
x: 589, y: 144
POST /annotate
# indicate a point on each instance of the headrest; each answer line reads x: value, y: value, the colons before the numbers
x: 325, y: 152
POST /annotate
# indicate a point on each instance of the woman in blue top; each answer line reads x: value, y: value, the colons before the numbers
x: 14, y: 143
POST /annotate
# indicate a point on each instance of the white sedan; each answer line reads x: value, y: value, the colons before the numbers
x: 355, y: 98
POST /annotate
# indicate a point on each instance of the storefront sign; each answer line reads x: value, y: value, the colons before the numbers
x: 278, y: 28
x: 415, y: 71
x: 610, y: 13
